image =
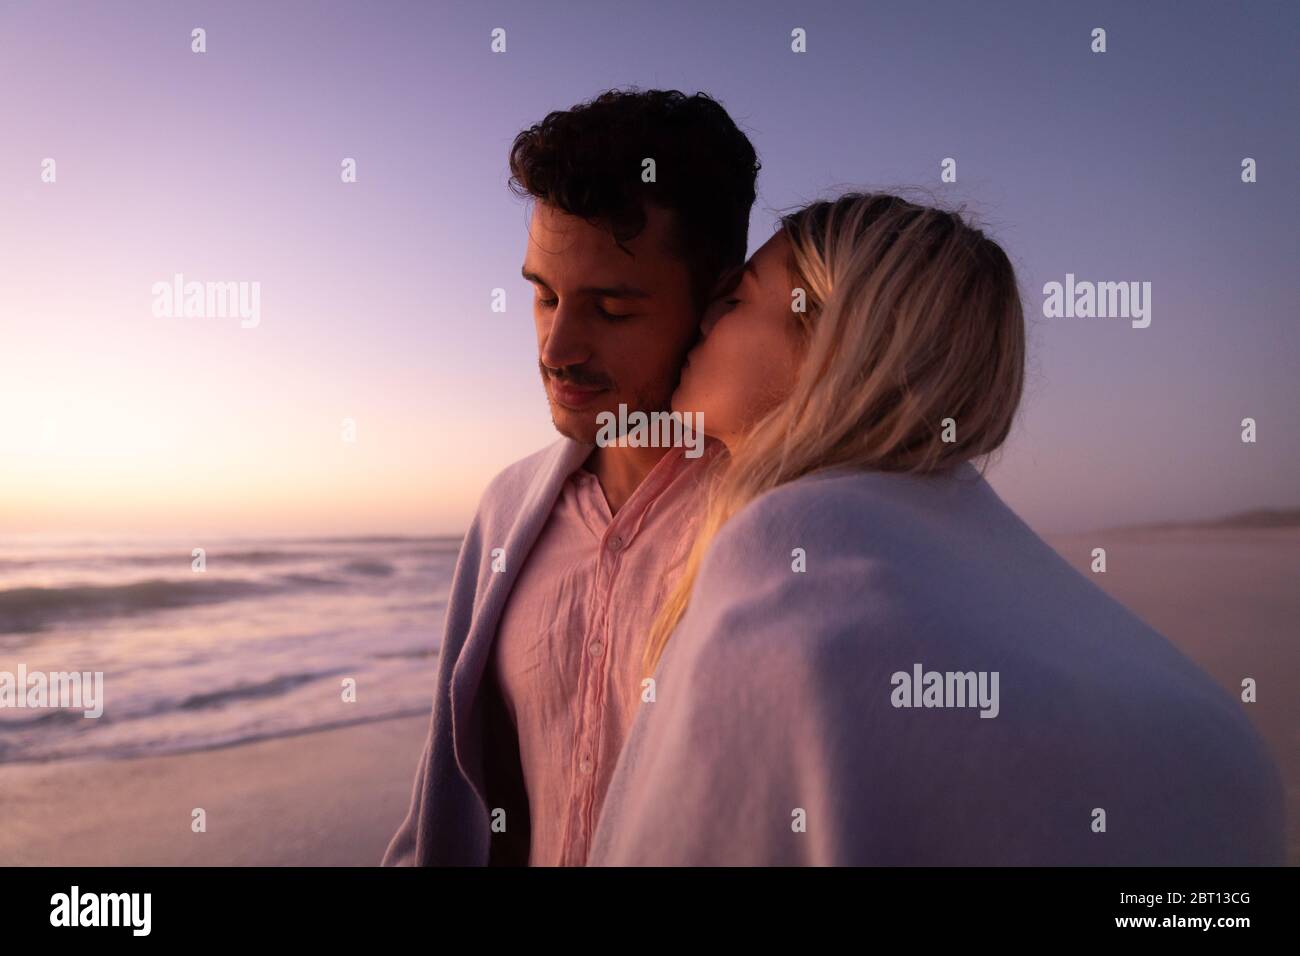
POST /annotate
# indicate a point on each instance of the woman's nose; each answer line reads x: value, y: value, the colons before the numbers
x: 711, y: 316
x: 726, y: 283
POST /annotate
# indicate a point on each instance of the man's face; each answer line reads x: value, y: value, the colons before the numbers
x: 611, y: 327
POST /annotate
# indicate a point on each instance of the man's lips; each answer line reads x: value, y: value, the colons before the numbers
x: 574, y: 396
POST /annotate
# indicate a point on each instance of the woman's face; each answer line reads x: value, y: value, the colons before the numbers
x: 747, y: 357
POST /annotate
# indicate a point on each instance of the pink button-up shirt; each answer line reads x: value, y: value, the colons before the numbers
x: 568, y: 650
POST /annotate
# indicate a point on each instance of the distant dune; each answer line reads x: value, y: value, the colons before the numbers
x: 1258, y: 518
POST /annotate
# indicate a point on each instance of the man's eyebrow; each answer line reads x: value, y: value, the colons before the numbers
x: 620, y: 291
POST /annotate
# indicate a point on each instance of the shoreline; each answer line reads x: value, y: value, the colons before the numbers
x: 207, y: 748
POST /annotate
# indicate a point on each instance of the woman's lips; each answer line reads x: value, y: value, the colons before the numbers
x: 574, y: 396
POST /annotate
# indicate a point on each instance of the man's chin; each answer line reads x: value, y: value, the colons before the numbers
x: 577, y: 426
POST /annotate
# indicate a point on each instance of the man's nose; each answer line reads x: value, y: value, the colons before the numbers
x: 565, y: 341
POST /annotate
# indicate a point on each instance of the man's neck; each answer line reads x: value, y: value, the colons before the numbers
x: 620, y: 469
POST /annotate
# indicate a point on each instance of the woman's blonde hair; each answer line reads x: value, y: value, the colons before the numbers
x: 912, y: 317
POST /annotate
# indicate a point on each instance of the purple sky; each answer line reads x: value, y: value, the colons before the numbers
x: 375, y: 295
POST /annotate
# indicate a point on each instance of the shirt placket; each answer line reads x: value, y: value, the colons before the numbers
x: 593, y: 683
x: 593, y: 678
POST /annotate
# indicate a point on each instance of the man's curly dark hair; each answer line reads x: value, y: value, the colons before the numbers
x: 587, y: 162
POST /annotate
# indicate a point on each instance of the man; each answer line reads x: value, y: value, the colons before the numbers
x: 642, y: 203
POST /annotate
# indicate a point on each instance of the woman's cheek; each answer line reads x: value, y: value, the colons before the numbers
x: 697, y: 382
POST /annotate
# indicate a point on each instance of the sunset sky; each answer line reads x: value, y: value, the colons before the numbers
x: 375, y: 296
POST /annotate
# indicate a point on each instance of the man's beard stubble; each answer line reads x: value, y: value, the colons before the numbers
x: 582, y: 426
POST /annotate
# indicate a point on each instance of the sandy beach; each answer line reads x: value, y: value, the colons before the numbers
x: 1227, y: 597
x: 331, y: 798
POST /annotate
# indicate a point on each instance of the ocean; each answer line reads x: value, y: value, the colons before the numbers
x: 259, y: 644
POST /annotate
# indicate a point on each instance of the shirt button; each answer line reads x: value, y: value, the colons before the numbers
x: 596, y: 648
x: 586, y: 765
x: 616, y: 543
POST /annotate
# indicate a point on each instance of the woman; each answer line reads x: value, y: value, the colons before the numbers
x: 870, y: 659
